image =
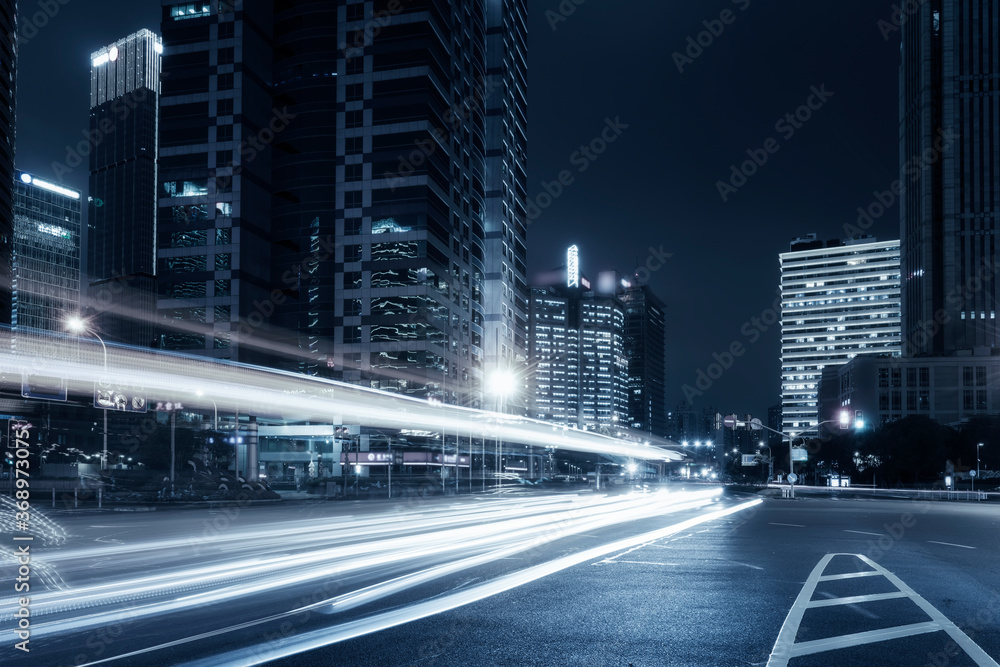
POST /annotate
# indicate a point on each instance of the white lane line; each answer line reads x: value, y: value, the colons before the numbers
x: 257, y: 655
x: 793, y: 525
x: 643, y: 562
x: 861, y: 532
x: 962, y: 639
x: 786, y: 648
x: 950, y: 544
x: 850, y: 575
x: 856, y: 599
x: 847, y: 641
x: 756, y: 567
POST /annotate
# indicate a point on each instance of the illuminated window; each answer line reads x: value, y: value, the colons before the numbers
x: 190, y: 10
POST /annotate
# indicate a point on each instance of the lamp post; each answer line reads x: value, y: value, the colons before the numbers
x: 215, y: 424
x: 78, y: 326
x: 502, y: 383
x: 770, y: 461
x: 977, y: 467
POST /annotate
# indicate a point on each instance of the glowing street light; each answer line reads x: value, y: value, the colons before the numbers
x: 502, y: 383
x: 216, y: 407
x: 78, y: 326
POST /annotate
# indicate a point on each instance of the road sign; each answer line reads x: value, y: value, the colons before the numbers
x: 730, y: 421
x: 756, y: 424
x: 792, y: 478
x: 750, y: 460
x: 800, y: 454
x: 972, y: 473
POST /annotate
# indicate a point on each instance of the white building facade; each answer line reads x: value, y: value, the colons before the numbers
x: 838, y: 300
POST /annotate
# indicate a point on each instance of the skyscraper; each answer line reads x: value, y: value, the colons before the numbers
x: 351, y: 209
x: 46, y: 259
x: 838, y: 300
x: 949, y: 166
x: 645, y: 350
x: 8, y: 68
x: 214, y: 222
x: 576, y: 336
x: 124, y: 95
x: 505, y: 101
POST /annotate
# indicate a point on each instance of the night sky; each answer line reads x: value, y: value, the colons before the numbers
x: 655, y: 186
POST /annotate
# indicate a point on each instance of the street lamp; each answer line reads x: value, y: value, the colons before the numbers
x: 977, y: 466
x: 215, y: 407
x: 503, y: 383
x: 770, y: 461
x: 78, y: 326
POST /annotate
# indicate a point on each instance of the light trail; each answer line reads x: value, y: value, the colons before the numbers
x: 279, y: 395
x: 371, y: 559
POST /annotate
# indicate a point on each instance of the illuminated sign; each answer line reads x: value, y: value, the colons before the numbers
x: 51, y: 187
x: 573, y: 267
x: 113, y: 53
x: 55, y: 230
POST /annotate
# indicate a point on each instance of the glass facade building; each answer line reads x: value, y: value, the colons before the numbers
x: 645, y: 351
x: 949, y: 142
x: 214, y: 180
x: 8, y: 68
x: 121, y: 243
x: 838, y: 300
x: 46, y: 285
x: 339, y: 206
x: 576, y: 335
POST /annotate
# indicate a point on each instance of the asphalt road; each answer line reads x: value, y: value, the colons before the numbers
x: 719, y: 595
x: 682, y: 579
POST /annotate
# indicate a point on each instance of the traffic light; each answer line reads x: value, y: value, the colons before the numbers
x: 845, y: 419
x: 859, y: 420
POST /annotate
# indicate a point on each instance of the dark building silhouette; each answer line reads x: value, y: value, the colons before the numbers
x: 121, y: 254
x: 214, y: 219
x: 8, y: 68
x: 342, y: 189
x: 950, y: 161
x: 645, y: 350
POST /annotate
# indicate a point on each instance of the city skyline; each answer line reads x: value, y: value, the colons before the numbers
x: 671, y: 201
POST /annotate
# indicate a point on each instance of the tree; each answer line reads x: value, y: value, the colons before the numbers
x: 909, y: 451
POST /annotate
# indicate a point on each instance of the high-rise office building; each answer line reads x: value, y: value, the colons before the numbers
x: 949, y: 165
x: 46, y: 285
x: 505, y: 295
x: 124, y: 97
x: 351, y: 208
x: 8, y: 68
x: 838, y: 300
x: 645, y: 350
x: 576, y: 336
x: 214, y: 222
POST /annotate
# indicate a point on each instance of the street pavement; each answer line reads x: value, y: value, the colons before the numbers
x: 687, y: 578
